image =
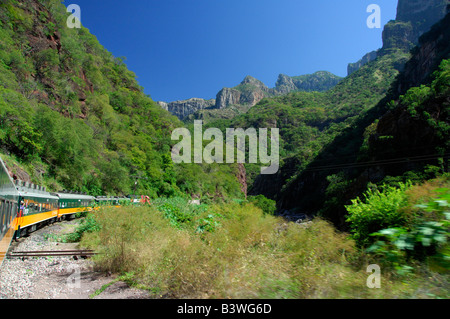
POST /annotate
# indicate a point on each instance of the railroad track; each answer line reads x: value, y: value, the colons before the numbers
x: 84, y: 253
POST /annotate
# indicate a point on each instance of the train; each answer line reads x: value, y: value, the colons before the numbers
x: 25, y: 207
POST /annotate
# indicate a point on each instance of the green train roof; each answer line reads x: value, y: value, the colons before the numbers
x: 73, y: 196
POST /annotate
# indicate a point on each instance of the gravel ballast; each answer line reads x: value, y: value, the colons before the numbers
x: 56, y: 277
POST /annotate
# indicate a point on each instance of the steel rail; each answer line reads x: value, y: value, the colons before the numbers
x: 52, y: 253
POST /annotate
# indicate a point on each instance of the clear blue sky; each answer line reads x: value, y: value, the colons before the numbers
x: 193, y: 48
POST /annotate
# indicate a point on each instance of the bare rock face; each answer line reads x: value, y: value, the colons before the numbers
x: 251, y: 90
x: 398, y: 35
x: 164, y: 105
x: 414, y: 17
x: 254, y: 83
x: 352, y: 67
x: 242, y: 178
x: 184, y: 108
x: 433, y: 47
x: 285, y: 84
x: 319, y: 81
x: 227, y: 97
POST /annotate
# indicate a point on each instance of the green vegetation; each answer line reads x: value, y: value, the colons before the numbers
x: 380, y: 209
x: 310, y: 121
x: 268, y: 206
x: 406, y: 226
x: 245, y: 253
x: 426, y: 240
x: 75, y: 117
x: 359, y: 155
x: 320, y: 81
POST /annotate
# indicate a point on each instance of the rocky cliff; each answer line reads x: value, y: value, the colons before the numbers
x: 319, y: 81
x: 184, y: 108
x: 251, y: 90
x: 352, y: 67
x: 433, y: 47
x: 422, y: 14
x: 397, y: 139
x: 414, y: 17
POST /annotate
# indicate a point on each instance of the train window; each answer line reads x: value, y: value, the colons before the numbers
x: 8, y: 212
x: 2, y: 218
x: 11, y: 213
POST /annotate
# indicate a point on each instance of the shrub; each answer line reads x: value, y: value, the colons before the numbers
x: 268, y: 206
x: 379, y: 210
x: 424, y: 239
x: 178, y: 210
x: 87, y: 225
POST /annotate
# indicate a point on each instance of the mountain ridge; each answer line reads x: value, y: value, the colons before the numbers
x: 251, y: 90
x: 413, y: 18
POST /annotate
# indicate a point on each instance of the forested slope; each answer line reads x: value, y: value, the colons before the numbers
x: 73, y: 116
x: 404, y: 138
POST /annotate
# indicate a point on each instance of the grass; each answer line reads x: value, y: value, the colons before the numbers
x: 248, y: 254
x: 126, y: 277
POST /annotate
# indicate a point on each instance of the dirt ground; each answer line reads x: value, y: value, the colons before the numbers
x: 58, y: 277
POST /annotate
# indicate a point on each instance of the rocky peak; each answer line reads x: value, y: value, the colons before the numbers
x: 319, y: 81
x: 251, y: 90
x: 227, y: 97
x: 414, y: 10
x: 284, y: 84
x: 249, y: 80
x: 414, y: 17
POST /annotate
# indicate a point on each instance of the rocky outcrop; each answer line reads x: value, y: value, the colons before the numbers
x: 319, y: 81
x: 433, y: 47
x: 285, y: 84
x: 352, y: 67
x: 422, y: 14
x: 253, y: 84
x: 414, y: 17
x: 251, y: 90
x: 184, y: 108
x: 242, y: 178
x: 227, y: 97
x: 398, y: 140
x: 398, y: 35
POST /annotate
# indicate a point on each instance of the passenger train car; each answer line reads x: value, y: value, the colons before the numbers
x: 73, y: 203
x: 24, y: 207
x: 9, y: 201
x: 36, y: 206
